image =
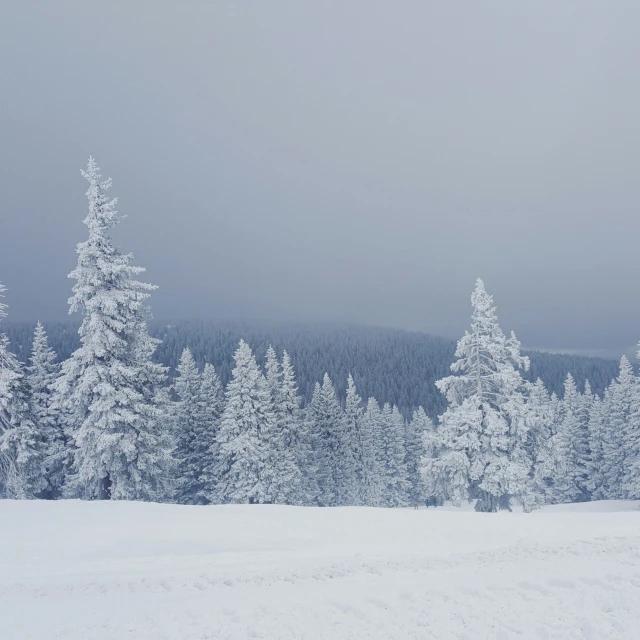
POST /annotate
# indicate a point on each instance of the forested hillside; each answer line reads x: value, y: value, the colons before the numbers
x: 306, y: 414
x: 391, y: 365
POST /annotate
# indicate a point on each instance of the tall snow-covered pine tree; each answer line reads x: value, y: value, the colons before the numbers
x: 352, y: 455
x: 416, y: 428
x: 243, y: 470
x: 619, y: 400
x: 193, y: 443
x: 212, y: 405
x: 22, y: 447
x: 372, y: 455
x: 482, y: 434
x: 41, y: 374
x: 297, y: 435
x: 327, y: 424
x: 284, y: 439
x: 395, y: 491
x: 112, y: 394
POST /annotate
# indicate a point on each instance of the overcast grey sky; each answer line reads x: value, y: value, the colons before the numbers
x: 361, y: 161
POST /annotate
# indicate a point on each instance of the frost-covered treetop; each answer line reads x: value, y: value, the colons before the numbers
x: 288, y: 374
x: 487, y: 360
x: 43, y: 368
x: 353, y: 404
x: 103, y: 214
x: 3, y: 307
x: 103, y: 273
x: 9, y: 364
x: 626, y: 371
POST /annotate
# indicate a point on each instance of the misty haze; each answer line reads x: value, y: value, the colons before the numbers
x: 319, y: 320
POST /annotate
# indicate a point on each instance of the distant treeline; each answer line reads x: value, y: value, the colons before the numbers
x: 392, y: 365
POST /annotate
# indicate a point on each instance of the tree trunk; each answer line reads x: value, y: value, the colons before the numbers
x: 105, y: 488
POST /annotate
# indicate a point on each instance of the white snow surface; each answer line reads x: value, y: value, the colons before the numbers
x: 94, y: 570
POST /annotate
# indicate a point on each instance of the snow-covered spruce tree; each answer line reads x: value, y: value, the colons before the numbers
x: 571, y: 443
x: 285, y: 439
x: 631, y: 477
x: 244, y: 466
x: 41, y: 374
x: 212, y: 393
x: 116, y: 408
x: 631, y: 474
x: 22, y: 447
x: 328, y: 436
x: 371, y: 426
x: 595, y: 467
x: 414, y: 445
x: 193, y: 443
x: 352, y: 454
x: 555, y: 413
x: 434, y: 483
x: 273, y: 374
x: 212, y: 405
x: 395, y: 486
x: 584, y: 412
x: 619, y: 401
x: 482, y: 434
x: 297, y: 430
x: 539, y: 444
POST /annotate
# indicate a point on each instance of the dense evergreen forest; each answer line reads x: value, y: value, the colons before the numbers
x: 208, y: 412
x: 394, y: 366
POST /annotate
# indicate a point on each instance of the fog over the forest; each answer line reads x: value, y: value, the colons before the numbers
x: 360, y: 161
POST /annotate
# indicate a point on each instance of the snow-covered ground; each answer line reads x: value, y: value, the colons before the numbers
x: 89, y: 571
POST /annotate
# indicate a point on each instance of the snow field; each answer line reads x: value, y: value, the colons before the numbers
x: 97, y: 570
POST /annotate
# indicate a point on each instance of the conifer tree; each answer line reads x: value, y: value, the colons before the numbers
x: 244, y: 471
x: 328, y: 429
x: 115, y: 407
x: 419, y: 424
x: 352, y: 454
x: 193, y: 438
x: 571, y: 444
x: 555, y: 413
x: 435, y: 487
x: 285, y: 438
x: 211, y: 403
x: 212, y: 393
x: 595, y: 477
x: 41, y: 374
x: 482, y: 434
x: 22, y: 448
x: 539, y: 444
x: 394, y: 472
x: 631, y: 436
x: 273, y: 375
x: 370, y: 447
x: 296, y: 438
x: 585, y: 404
x: 619, y: 401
